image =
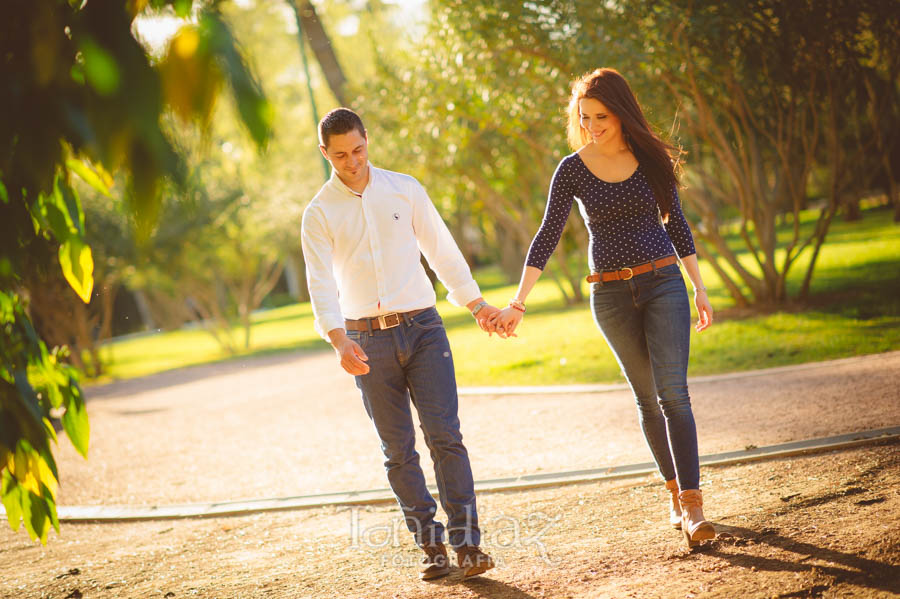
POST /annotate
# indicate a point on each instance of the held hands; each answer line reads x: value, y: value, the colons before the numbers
x: 503, y: 322
x: 484, y: 317
x: 506, y: 321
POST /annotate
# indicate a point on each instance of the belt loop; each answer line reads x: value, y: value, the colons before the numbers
x: 406, y: 318
x: 369, y: 324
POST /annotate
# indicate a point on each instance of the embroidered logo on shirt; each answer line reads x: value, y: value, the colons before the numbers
x: 396, y: 216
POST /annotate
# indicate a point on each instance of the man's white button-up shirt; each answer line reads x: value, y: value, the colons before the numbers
x: 362, y: 253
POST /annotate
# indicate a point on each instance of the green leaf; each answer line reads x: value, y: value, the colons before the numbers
x: 10, y: 494
x: 3, y: 193
x: 52, y: 207
x: 255, y: 110
x: 78, y: 266
x: 100, y: 68
x: 183, y: 8
x: 89, y: 175
x: 75, y: 420
x: 51, y: 508
x: 29, y: 397
x: 47, y: 456
x: 37, y: 517
x: 51, y: 432
x: 73, y: 206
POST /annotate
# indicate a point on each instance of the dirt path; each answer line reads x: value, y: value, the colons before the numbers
x: 295, y: 425
x: 817, y: 526
x: 825, y: 525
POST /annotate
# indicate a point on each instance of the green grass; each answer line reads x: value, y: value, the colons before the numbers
x: 854, y: 310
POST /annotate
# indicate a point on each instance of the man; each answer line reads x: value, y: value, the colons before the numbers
x: 362, y: 237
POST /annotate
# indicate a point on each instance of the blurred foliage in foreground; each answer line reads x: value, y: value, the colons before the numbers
x: 83, y: 100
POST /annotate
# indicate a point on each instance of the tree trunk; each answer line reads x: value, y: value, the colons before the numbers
x: 852, y: 211
x: 574, y: 281
x: 295, y: 275
x: 739, y: 298
x: 143, y: 308
x: 320, y: 44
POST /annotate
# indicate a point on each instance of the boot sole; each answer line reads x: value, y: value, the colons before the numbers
x: 434, y: 574
x: 704, y: 532
x: 477, y: 570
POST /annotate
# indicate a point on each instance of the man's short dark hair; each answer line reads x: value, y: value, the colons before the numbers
x: 338, y: 122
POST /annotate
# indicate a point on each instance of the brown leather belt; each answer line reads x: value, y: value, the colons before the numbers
x: 385, y: 321
x: 628, y: 272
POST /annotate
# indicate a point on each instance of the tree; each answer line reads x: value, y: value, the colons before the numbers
x: 771, y: 93
x: 773, y: 101
x: 479, y: 118
x: 83, y: 99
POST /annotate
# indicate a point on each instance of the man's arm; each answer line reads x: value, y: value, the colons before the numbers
x: 444, y: 257
x: 323, y: 292
x: 318, y: 247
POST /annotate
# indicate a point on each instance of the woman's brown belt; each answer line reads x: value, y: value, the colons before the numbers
x: 628, y: 272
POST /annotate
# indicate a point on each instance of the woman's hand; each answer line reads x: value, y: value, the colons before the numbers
x: 704, y: 309
x: 507, y: 320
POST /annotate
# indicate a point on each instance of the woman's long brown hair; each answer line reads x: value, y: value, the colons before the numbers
x: 658, y: 159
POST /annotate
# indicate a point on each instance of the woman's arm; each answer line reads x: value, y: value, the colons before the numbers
x: 701, y: 300
x: 559, y: 204
x: 509, y: 318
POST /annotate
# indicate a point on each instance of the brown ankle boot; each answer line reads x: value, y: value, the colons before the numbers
x: 693, y: 524
x: 435, y: 563
x: 473, y: 561
x: 674, y: 504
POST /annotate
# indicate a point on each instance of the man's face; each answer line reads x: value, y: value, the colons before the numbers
x: 348, y: 154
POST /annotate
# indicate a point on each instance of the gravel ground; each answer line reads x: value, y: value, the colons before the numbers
x: 294, y: 425
x: 823, y: 525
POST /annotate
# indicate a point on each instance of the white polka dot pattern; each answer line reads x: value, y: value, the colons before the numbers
x: 622, y: 219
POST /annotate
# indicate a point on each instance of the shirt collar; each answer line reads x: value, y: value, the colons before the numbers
x: 340, y: 186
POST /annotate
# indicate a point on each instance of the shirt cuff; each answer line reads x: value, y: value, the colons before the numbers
x: 326, y: 323
x: 465, y: 294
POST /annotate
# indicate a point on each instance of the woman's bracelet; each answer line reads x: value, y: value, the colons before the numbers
x: 699, y: 288
x: 517, y: 304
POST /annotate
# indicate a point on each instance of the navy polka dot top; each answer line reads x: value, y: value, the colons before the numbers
x: 622, y: 219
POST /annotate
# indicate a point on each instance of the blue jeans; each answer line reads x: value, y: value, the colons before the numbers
x: 647, y: 323
x: 412, y: 361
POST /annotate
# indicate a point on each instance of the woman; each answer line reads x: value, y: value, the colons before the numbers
x: 624, y: 178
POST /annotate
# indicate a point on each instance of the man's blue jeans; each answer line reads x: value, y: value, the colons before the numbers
x: 413, y: 361
x: 647, y: 323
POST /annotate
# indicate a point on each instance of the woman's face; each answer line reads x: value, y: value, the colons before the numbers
x: 602, y: 125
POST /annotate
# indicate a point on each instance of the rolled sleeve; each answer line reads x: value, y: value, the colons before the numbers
x: 323, y: 290
x: 440, y: 250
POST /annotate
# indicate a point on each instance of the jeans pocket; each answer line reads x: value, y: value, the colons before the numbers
x: 427, y: 320
x: 605, y: 300
x: 670, y: 271
x: 359, y: 337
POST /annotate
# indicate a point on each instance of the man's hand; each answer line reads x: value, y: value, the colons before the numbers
x: 350, y: 354
x: 484, y: 320
x: 485, y: 315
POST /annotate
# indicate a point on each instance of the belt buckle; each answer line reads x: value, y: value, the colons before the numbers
x: 630, y: 274
x: 382, y: 321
